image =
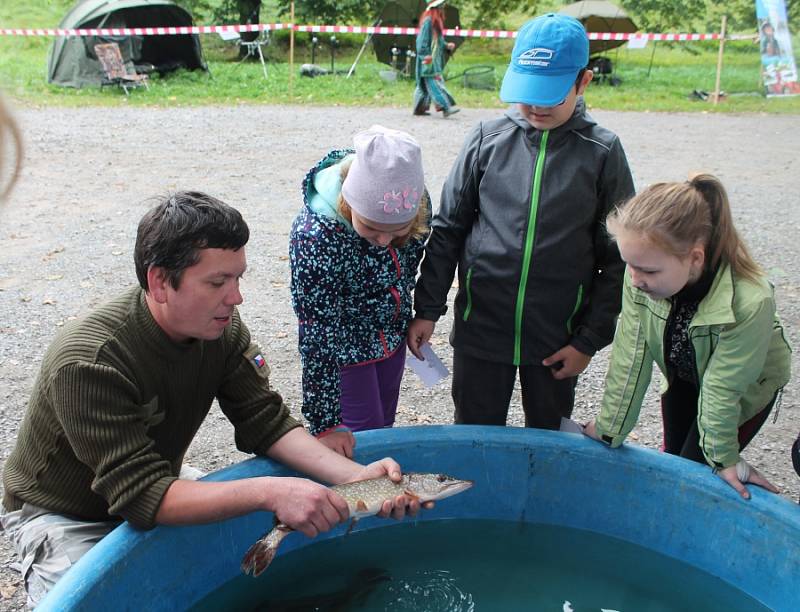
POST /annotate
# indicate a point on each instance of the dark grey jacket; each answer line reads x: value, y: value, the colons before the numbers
x: 522, y: 215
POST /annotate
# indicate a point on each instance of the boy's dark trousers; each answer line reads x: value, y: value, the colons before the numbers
x: 482, y: 392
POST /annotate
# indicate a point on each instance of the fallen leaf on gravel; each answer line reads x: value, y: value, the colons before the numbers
x: 7, y: 591
x: 117, y: 253
x: 25, y: 298
x: 48, y: 301
x: 278, y: 283
x: 54, y: 277
x: 283, y: 257
x: 634, y: 435
x: 55, y: 251
x: 281, y: 335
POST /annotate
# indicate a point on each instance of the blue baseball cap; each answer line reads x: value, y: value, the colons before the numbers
x: 548, y: 53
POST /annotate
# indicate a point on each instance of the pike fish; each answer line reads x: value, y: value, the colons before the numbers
x: 364, y: 498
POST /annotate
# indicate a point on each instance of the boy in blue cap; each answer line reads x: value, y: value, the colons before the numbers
x: 522, y: 217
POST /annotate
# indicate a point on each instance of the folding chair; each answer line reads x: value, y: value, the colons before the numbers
x: 252, y: 48
x: 115, y: 68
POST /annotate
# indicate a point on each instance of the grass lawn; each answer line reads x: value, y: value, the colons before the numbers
x: 677, y: 69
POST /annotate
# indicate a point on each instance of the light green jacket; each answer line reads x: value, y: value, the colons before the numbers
x: 743, y: 359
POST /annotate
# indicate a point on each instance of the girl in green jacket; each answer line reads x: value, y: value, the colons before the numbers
x: 697, y: 304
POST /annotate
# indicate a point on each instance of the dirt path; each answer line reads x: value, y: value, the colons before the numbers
x: 67, y: 233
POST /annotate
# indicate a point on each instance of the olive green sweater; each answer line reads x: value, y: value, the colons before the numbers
x: 116, y: 405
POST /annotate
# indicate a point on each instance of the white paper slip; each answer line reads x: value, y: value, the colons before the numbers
x: 570, y: 426
x: 430, y: 371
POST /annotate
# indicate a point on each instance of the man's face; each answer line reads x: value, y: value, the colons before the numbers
x: 550, y: 117
x: 203, y: 304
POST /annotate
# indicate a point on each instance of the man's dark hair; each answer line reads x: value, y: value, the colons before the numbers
x: 172, y: 233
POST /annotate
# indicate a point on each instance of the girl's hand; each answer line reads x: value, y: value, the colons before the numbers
x: 742, y: 472
x: 342, y: 442
x: 428, y: 59
x: 589, y: 430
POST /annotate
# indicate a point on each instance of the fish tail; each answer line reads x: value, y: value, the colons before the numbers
x: 260, y: 555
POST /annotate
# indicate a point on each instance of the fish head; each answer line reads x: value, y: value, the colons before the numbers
x: 432, y: 487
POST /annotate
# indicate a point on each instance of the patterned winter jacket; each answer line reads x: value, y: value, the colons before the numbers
x: 352, y: 299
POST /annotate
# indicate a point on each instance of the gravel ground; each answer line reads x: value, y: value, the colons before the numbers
x: 67, y: 234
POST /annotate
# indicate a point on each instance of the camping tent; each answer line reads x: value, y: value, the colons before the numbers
x: 405, y: 13
x: 601, y: 16
x: 73, y: 63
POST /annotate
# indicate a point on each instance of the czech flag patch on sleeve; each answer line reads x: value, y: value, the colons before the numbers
x: 256, y: 358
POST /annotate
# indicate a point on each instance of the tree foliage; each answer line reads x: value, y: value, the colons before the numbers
x: 700, y: 15
x: 333, y: 12
x: 649, y: 15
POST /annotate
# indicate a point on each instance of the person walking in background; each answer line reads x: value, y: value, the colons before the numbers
x: 354, y: 249
x: 698, y: 305
x: 522, y: 216
x: 431, y: 49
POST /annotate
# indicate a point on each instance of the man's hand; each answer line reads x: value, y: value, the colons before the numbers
x: 419, y: 332
x: 750, y: 474
x: 567, y: 362
x: 400, y: 505
x: 306, y: 506
x: 342, y: 442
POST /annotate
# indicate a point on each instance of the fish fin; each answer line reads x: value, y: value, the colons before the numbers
x: 412, y: 495
x: 351, y: 526
x: 260, y: 555
x: 361, y: 505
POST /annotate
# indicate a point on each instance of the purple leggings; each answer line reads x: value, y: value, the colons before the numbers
x: 370, y: 392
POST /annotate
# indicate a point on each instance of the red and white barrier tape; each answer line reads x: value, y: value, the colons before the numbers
x: 157, y: 31
x: 333, y: 29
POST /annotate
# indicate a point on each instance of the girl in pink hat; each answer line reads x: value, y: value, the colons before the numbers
x: 354, y: 249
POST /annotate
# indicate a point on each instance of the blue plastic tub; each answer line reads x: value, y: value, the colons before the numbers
x: 657, y: 501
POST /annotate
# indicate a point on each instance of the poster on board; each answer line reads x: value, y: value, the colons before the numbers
x: 778, y: 68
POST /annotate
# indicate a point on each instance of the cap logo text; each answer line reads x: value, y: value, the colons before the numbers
x: 538, y: 56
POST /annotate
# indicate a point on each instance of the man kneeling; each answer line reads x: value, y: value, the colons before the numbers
x: 122, y: 392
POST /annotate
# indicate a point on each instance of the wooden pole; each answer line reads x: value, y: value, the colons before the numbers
x: 719, y: 58
x: 652, y: 55
x: 291, y: 50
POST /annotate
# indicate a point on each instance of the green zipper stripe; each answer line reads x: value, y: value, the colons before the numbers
x: 469, y: 296
x: 574, y: 310
x: 529, y: 238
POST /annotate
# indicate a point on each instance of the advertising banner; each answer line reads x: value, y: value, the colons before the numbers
x: 778, y: 68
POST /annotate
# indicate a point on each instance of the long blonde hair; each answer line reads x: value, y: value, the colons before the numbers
x: 676, y: 216
x: 419, y: 229
x: 9, y: 135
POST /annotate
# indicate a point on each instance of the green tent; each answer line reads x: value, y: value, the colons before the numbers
x: 406, y: 14
x: 73, y: 63
x: 601, y: 16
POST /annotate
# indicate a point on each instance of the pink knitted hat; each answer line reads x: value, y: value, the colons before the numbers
x: 385, y: 182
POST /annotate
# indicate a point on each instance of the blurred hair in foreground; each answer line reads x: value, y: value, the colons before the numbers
x: 10, y: 151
